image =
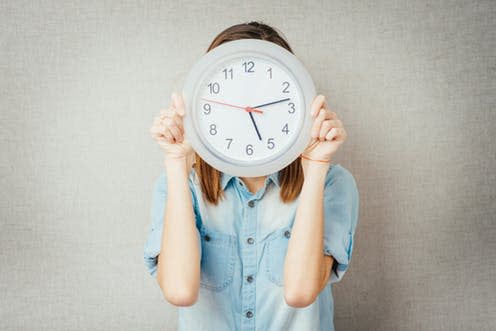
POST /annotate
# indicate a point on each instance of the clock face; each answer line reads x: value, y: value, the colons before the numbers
x: 248, y: 109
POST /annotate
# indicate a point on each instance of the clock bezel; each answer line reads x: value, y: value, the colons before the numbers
x: 197, y: 114
x: 237, y: 49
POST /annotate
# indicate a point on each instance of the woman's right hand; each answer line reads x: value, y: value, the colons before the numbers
x: 168, y: 131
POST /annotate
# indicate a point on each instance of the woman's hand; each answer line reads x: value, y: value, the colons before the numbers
x: 168, y: 131
x: 327, y: 132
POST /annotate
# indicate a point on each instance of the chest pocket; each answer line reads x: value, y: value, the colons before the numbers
x: 217, y: 261
x: 275, y: 250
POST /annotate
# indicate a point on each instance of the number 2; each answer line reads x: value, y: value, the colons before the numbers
x: 285, y: 90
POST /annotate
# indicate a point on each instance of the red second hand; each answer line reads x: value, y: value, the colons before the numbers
x: 247, y: 108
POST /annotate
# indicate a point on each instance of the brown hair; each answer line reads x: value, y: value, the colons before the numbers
x: 290, y: 177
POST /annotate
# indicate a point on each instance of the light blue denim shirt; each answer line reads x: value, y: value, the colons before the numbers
x: 243, y: 246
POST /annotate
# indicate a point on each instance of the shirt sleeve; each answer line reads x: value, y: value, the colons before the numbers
x: 154, y: 238
x: 341, y: 203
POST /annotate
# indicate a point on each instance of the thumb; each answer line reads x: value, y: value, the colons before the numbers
x: 178, y: 102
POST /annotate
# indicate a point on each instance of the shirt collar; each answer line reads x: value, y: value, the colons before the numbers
x: 226, y: 178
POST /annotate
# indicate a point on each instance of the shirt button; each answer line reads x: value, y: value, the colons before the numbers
x: 251, y: 203
x: 250, y: 240
x: 207, y: 237
x: 249, y: 314
x: 249, y: 278
x: 287, y: 233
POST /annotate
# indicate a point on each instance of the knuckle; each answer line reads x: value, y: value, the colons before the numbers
x: 168, y: 122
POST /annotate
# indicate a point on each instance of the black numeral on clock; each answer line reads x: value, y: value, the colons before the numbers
x: 249, y: 66
x: 270, y: 143
x: 291, y: 109
x: 213, y: 129
x: 249, y: 149
x: 214, y: 88
x: 286, y: 86
x: 207, y: 108
x: 228, y: 73
x: 270, y: 73
x: 285, y: 128
x: 229, y: 142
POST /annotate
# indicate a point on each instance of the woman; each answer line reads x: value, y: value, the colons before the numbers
x: 259, y: 253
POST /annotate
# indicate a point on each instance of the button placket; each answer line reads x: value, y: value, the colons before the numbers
x: 249, y: 260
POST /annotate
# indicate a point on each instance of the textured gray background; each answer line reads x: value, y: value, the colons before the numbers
x: 413, y: 81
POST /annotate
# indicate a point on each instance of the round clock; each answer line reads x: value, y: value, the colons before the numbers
x: 247, y: 105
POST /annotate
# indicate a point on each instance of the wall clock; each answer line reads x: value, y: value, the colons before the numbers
x: 247, y: 105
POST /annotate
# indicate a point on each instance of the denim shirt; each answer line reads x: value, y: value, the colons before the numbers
x: 243, y: 242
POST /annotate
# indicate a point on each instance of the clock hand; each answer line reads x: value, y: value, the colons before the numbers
x: 271, y: 103
x: 255, y: 125
x: 263, y: 105
x: 247, y: 109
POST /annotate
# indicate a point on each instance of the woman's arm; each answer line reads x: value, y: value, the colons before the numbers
x: 307, y: 269
x: 178, y: 267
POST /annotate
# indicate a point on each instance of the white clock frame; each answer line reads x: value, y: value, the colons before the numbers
x: 246, y: 48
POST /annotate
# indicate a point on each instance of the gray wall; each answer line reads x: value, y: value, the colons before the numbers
x: 413, y: 81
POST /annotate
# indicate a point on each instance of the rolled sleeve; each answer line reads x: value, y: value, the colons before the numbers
x: 341, y: 202
x: 153, y: 242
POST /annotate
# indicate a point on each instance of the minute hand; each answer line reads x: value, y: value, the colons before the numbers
x: 271, y: 103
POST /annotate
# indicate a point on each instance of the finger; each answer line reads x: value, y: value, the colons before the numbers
x: 336, y: 123
x: 317, y: 103
x: 179, y: 121
x: 328, y: 125
x: 174, y: 120
x: 155, y: 128
x: 341, y: 136
x: 169, y: 122
x: 176, y: 133
x: 178, y: 103
x: 172, y: 114
x: 169, y: 112
x: 157, y: 131
x: 324, y: 129
x: 331, y: 134
x: 322, y: 115
x: 336, y: 134
x: 168, y: 136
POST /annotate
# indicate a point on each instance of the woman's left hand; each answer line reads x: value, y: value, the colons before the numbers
x: 327, y: 132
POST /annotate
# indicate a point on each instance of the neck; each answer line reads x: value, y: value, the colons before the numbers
x: 254, y: 183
